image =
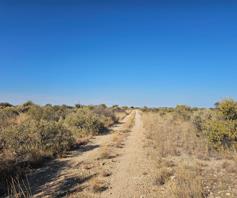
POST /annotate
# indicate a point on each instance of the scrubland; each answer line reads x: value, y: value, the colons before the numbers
x: 194, y: 150
x: 100, y: 151
x: 31, y: 134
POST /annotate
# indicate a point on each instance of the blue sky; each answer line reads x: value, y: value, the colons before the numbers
x: 153, y: 53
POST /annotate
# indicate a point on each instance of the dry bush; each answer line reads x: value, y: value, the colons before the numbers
x: 183, y: 111
x: 32, y: 137
x: 7, y: 116
x: 84, y: 122
x: 107, y: 115
x: 30, y: 133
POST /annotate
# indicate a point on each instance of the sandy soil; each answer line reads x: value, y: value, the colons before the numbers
x: 133, y: 173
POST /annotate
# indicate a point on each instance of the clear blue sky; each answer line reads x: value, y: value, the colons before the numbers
x: 153, y: 53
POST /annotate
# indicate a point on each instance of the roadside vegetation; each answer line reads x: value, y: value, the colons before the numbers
x: 194, y: 149
x: 31, y: 134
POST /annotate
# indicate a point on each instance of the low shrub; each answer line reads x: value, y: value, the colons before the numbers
x: 228, y: 108
x: 32, y: 136
x: 49, y: 113
x: 183, y: 111
x: 5, y: 104
x: 221, y: 132
x: 84, y: 122
x: 200, y: 117
x: 219, y: 125
x: 7, y: 115
x: 107, y: 115
x: 30, y: 133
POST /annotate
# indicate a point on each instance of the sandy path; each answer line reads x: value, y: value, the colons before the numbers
x: 60, y: 176
x: 133, y: 174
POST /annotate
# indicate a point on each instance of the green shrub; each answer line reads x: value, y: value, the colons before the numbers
x: 49, y: 113
x: 221, y: 132
x: 228, y: 108
x: 33, y: 136
x: 54, y: 137
x: 200, y: 117
x: 35, y: 112
x: 84, y: 122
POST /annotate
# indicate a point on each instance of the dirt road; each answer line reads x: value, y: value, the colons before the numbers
x: 111, y: 165
x: 133, y: 173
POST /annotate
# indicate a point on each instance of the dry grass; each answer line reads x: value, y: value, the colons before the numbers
x: 164, y: 175
x: 174, y: 137
x: 186, y: 167
x: 19, y: 188
x: 186, y: 183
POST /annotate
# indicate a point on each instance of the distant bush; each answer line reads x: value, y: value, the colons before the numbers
x: 107, y: 115
x: 84, y: 122
x: 5, y: 104
x: 200, y: 117
x: 25, y: 106
x: 49, y: 113
x: 183, y: 111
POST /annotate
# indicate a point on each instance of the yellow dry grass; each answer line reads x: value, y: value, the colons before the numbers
x: 185, y: 166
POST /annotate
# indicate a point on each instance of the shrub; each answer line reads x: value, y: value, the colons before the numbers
x: 49, y: 113
x: 228, y: 108
x: 84, y: 122
x: 35, y: 112
x: 5, y: 104
x: 25, y: 107
x: 106, y: 115
x: 32, y: 136
x: 54, y: 137
x: 7, y: 115
x: 200, y: 117
x: 221, y: 132
x: 183, y: 111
